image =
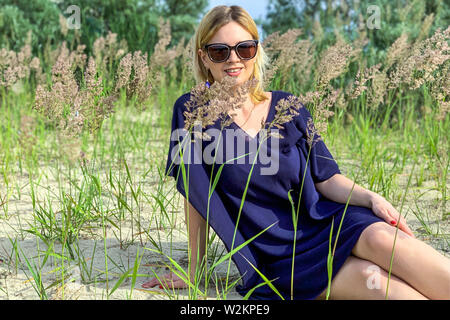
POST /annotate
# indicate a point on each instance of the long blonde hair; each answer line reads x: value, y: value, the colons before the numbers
x: 209, y: 25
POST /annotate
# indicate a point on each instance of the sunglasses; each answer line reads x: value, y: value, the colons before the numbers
x: 220, y: 52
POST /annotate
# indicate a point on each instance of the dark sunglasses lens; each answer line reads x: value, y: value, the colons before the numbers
x: 247, y: 50
x: 218, y: 53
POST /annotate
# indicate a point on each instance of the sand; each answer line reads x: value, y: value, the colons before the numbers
x: 89, y: 277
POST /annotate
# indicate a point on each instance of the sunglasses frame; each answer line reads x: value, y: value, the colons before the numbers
x: 206, y: 46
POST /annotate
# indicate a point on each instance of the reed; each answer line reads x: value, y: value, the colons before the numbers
x: 83, y: 141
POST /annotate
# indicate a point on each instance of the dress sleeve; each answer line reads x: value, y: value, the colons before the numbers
x: 176, y: 135
x: 184, y: 155
x: 323, y: 165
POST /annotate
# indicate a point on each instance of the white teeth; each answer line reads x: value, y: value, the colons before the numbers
x: 232, y: 70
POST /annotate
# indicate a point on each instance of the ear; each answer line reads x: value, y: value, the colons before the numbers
x: 204, y: 58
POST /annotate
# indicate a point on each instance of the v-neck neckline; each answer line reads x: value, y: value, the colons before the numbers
x: 268, y: 118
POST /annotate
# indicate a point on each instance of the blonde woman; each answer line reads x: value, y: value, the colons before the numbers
x: 227, y: 45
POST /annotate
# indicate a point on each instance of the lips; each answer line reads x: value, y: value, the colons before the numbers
x: 233, y: 71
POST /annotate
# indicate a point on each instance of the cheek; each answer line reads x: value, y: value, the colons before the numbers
x: 248, y: 73
x: 249, y: 67
x: 216, y: 71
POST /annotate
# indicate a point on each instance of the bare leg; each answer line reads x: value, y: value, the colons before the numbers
x: 417, y: 263
x: 361, y: 279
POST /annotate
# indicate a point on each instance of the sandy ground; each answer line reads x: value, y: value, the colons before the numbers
x: 95, y: 278
x: 16, y: 279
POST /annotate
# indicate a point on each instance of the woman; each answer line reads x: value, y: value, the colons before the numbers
x: 365, y: 241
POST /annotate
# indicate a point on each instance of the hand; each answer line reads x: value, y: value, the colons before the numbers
x: 169, y: 281
x: 383, y: 209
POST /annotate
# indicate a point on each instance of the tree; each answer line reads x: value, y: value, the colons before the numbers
x: 136, y: 21
x: 282, y: 15
x: 183, y: 16
x: 349, y: 17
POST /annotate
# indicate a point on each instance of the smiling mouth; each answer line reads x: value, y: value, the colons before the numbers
x: 233, y: 71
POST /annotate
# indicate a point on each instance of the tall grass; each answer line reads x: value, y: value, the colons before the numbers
x: 87, y: 165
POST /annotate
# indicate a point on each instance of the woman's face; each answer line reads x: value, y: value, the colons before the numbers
x: 230, y: 34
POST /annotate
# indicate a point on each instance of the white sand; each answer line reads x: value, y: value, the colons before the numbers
x: 16, y: 280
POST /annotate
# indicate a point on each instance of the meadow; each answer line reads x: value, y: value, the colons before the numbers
x: 85, y: 209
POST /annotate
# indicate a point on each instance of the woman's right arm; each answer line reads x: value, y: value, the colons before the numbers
x: 197, y: 241
x: 197, y: 229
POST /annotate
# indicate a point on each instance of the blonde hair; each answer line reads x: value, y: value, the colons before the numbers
x: 209, y: 25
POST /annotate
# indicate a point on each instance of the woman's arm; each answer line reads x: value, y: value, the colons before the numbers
x: 197, y: 235
x: 197, y: 240
x: 338, y: 187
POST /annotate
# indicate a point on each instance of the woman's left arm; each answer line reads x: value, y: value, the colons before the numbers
x: 338, y: 188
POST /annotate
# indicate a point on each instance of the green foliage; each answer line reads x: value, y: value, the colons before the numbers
x: 348, y: 17
x: 282, y: 15
x: 136, y: 21
x: 184, y: 16
x: 39, y: 16
x: 404, y: 17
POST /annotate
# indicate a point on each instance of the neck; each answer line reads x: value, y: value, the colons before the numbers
x: 248, y: 105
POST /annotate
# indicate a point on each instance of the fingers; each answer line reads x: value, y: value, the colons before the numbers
x: 401, y: 224
x: 386, y: 211
x: 149, y: 284
x: 168, y: 281
x: 393, y: 217
x: 152, y: 283
x: 173, y: 284
x: 177, y: 284
x: 385, y: 215
x: 155, y: 281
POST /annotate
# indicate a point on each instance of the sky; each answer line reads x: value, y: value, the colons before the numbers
x: 256, y: 8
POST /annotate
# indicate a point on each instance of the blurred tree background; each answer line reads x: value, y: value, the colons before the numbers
x: 372, y: 24
x: 321, y: 20
x: 136, y: 21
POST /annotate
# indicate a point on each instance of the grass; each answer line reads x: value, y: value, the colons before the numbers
x: 113, y: 219
x: 115, y: 200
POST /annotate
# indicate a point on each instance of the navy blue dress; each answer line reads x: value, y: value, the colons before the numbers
x: 267, y: 202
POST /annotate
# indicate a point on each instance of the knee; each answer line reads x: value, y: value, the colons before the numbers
x: 379, y: 237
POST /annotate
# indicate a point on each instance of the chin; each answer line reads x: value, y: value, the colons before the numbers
x: 240, y: 79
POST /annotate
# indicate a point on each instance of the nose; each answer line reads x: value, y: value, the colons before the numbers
x: 233, y: 56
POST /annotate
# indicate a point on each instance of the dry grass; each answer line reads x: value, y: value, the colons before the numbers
x: 77, y: 103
